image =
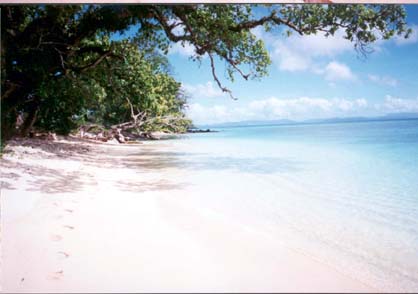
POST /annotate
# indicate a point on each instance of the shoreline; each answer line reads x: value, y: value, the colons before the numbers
x: 83, y: 216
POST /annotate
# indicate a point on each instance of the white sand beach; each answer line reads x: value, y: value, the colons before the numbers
x: 79, y: 216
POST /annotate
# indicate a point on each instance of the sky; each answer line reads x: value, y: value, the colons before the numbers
x: 310, y: 77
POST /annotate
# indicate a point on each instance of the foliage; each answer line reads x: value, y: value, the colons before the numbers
x: 58, y: 63
x: 59, y: 100
x: 134, y: 83
x: 105, y: 94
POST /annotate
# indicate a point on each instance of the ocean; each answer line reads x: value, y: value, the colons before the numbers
x: 345, y: 194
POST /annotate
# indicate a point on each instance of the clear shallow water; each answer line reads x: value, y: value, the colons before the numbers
x: 345, y: 193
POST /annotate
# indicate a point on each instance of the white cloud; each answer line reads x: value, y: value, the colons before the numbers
x: 208, y: 90
x: 392, y: 104
x: 300, y: 53
x: 299, y: 109
x: 383, y: 80
x: 319, y: 45
x: 183, y: 49
x: 289, y: 60
x: 309, y: 53
x: 304, y: 107
x: 215, y: 114
x: 275, y: 108
x: 413, y: 38
x: 338, y: 71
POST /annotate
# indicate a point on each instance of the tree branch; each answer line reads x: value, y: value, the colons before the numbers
x: 164, y: 22
x: 215, y: 77
x: 61, y: 59
x: 270, y: 18
x: 93, y: 64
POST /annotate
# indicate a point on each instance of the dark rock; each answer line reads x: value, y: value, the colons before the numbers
x: 201, y: 131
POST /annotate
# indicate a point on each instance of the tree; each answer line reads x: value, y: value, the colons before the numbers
x: 128, y: 93
x: 135, y: 88
x: 43, y: 45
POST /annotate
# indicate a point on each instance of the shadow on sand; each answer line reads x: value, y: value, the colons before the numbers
x: 142, y: 159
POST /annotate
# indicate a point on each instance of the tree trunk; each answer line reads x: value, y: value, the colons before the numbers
x: 29, y: 122
x: 8, y: 125
x: 12, y: 98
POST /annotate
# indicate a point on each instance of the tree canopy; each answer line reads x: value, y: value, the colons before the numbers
x: 60, y: 64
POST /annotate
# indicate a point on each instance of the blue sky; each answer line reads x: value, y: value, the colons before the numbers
x: 310, y: 77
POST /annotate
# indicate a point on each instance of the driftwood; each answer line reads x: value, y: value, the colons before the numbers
x: 118, y: 132
x: 123, y: 132
x: 43, y: 135
x: 103, y: 135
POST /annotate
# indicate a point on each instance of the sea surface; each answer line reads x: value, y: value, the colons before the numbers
x: 345, y: 194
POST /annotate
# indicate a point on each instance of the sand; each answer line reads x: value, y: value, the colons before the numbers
x: 79, y: 216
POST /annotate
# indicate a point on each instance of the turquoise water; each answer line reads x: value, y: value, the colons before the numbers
x: 344, y: 193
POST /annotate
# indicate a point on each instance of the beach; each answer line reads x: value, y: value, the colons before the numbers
x: 209, y: 148
x: 80, y: 216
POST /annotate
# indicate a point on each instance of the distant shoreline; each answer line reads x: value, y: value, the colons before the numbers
x: 321, y: 122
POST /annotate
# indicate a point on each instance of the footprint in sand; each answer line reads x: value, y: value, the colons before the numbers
x: 59, y: 216
x: 63, y: 254
x: 56, y: 275
x: 55, y: 237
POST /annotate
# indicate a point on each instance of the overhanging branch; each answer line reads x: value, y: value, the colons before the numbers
x: 215, y: 77
x: 266, y: 19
